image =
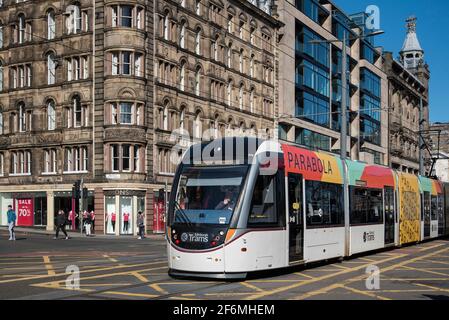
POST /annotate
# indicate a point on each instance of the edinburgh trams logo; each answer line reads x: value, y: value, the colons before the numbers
x: 194, y: 237
x: 368, y: 236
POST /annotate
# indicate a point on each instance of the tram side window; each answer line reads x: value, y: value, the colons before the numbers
x: 324, y: 204
x: 434, y: 206
x: 366, y: 206
x: 263, y: 204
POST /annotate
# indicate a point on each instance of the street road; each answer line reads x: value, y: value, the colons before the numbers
x: 34, y: 267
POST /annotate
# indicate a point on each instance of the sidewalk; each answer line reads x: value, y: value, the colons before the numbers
x: 76, y: 234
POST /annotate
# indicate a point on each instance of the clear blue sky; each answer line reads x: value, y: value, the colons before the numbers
x: 433, y: 34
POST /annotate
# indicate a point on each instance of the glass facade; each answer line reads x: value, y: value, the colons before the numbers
x: 312, y: 139
x: 312, y: 108
x: 310, y: 8
x: 370, y: 107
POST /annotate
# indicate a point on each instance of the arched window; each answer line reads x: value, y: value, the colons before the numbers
x: 1, y: 35
x: 51, y: 68
x: 197, y: 81
x: 182, y: 119
x: 251, y: 35
x: 214, y: 50
x: 241, y: 60
x: 166, y: 25
x: 182, y: 76
x: 198, y: 7
x: 22, y: 28
x: 198, y: 41
x: 197, y: 126
x: 165, y: 117
x: 183, y: 3
x: 1, y: 121
x: 215, y: 128
x: 251, y: 66
x: 1, y: 76
x: 73, y: 20
x: 51, y: 25
x: 51, y: 115
x: 229, y: 55
x: 229, y: 93
x: 251, y: 100
x: 241, y: 97
x: 182, y: 35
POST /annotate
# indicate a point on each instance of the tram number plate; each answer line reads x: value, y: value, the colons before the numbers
x: 194, y: 237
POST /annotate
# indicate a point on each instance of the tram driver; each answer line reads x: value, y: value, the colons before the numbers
x: 228, y: 202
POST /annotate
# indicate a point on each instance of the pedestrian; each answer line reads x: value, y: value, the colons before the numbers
x: 61, y: 221
x: 11, y: 223
x: 92, y: 216
x: 141, y: 225
x: 87, y: 223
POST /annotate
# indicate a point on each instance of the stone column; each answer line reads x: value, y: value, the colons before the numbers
x: 50, y: 210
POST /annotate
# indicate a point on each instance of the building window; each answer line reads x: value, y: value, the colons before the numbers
x: 198, y: 7
x: 229, y: 93
x: 1, y: 36
x: 51, y: 69
x: 241, y: 66
x: 230, y: 23
x: 251, y: 100
x: 251, y: 66
x: 166, y: 26
x: 241, y: 97
x: 197, y: 81
x: 229, y: 55
x: 197, y: 126
x: 127, y: 63
x: 1, y: 122
x: 198, y: 41
x: 126, y: 157
x: 51, y: 25
x: 20, y: 163
x: 324, y: 204
x: 182, y: 76
x: 76, y: 159
x: 51, y: 115
x: 1, y: 76
x: 2, y: 166
x: 23, y: 119
x: 21, y: 76
x: 312, y: 108
x: 241, y: 27
x: 50, y: 161
x: 318, y: 51
x: 312, y: 140
x: 126, y: 113
x: 127, y: 16
x: 77, y: 68
x: 251, y: 35
x: 314, y: 77
x: 182, y: 35
x: 77, y: 114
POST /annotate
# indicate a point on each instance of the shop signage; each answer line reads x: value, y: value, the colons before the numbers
x: 25, y: 212
x: 158, y: 216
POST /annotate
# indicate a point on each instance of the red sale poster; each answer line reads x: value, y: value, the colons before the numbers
x: 158, y: 216
x: 25, y: 212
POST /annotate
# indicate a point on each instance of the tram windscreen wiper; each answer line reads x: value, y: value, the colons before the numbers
x: 183, y: 215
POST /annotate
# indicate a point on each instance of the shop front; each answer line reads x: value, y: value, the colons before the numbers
x: 121, y: 208
x: 30, y: 207
x: 63, y: 201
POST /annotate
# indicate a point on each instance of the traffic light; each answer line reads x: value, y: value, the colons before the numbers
x: 161, y: 196
x: 76, y: 192
x: 85, y: 193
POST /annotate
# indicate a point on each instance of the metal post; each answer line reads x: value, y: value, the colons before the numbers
x: 81, y: 206
x: 421, y: 142
x: 343, y: 138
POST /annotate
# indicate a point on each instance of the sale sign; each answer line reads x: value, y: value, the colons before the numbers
x: 158, y: 216
x: 25, y: 212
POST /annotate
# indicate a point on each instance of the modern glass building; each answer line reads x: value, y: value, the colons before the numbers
x: 311, y: 94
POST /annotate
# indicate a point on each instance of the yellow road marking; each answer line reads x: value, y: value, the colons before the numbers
x: 426, y: 271
x: 229, y: 293
x: 340, y: 266
x: 304, y: 275
x: 106, y: 284
x: 98, y: 276
x: 188, y: 295
x: 140, y: 277
x: 366, y: 293
x: 432, y: 287
x: 49, y: 266
x: 403, y: 291
x: 251, y: 286
x: 275, y: 280
x: 366, y: 259
x: 94, y: 270
x: 328, y: 276
x: 109, y: 258
x: 431, y: 247
x: 416, y: 279
x: 156, y: 287
x: 130, y: 294
x: 182, y: 298
x: 358, y: 278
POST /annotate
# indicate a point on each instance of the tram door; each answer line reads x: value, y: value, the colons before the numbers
x: 389, y: 215
x: 295, y: 218
x: 426, y: 208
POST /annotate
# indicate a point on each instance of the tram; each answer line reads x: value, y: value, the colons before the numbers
x: 242, y: 204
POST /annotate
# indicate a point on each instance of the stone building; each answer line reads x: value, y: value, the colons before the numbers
x: 214, y: 74
x: 310, y: 85
x: 203, y: 66
x: 408, y: 92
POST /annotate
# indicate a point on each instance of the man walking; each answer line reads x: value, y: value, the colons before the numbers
x: 61, y: 221
x: 87, y: 223
x: 11, y: 223
x: 141, y: 225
